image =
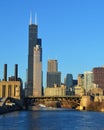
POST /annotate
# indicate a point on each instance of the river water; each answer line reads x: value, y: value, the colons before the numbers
x: 52, y: 120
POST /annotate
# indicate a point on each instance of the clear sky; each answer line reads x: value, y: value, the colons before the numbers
x: 72, y: 32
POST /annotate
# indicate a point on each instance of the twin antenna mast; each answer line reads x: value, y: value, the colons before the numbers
x: 35, y: 18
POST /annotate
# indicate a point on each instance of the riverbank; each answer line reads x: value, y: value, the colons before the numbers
x: 93, y: 106
x: 96, y: 106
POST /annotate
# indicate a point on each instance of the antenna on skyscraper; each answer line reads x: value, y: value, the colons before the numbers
x: 36, y: 18
x: 30, y: 18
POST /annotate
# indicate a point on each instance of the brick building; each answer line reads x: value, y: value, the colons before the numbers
x: 98, y: 77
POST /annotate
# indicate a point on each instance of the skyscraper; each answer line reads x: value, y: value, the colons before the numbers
x: 53, y: 76
x: 33, y: 41
x: 88, y: 80
x: 52, y: 66
x: 98, y: 77
x: 69, y: 80
x: 37, y: 72
x: 81, y: 80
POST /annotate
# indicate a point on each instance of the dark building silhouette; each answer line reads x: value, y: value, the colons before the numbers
x: 5, y: 72
x: 75, y: 82
x: 99, y: 77
x: 53, y: 78
x: 16, y: 72
x: 69, y: 80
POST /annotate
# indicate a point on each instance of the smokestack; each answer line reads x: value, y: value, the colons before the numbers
x: 5, y: 72
x: 16, y: 72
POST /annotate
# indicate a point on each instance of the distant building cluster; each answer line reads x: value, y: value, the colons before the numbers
x: 91, y: 82
x: 88, y: 83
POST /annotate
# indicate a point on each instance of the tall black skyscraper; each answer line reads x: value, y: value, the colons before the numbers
x: 33, y: 41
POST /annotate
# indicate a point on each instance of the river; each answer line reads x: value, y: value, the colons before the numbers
x: 52, y: 120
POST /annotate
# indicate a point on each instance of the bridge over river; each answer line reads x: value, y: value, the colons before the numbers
x: 58, y: 101
x: 11, y: 104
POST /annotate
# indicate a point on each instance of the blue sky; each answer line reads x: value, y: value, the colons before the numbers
x: 72, y: 32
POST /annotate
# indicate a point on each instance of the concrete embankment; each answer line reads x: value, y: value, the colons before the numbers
x: 92, y: 104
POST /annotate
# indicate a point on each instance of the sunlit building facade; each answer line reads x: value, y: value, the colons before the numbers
x: 37, y: 72
x: 88, y: 81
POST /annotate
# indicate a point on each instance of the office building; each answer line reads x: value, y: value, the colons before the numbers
x: 52, y: 66
x: 79, y: 90
x: 69, y: 80
x: 88, y: 81
x: 98, y: 73
x: 80, y: 79
x: 33, y: 41
x: 53, y: 76
x: 37, y: 72
x: 55, y: 91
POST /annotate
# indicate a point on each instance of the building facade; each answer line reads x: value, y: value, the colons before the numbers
x: 52, y: 66
x: 33, y: 41
x: 80, y: 79
x: 98, y: 73
x: 79, y: 91
x: 53, y: 75
x: 88, y: 81
x: 37, y: 72
x: 12, y: 87
x: 69, y: 80
x: 53, y: 78
x: 55, y: 91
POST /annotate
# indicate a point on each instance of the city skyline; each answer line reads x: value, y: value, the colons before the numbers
x: 71, y: 32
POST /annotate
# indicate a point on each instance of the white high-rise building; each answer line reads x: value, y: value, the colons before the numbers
x: 37, y: 72
x: 88, y: 80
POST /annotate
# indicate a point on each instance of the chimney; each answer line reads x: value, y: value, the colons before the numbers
x: 16, y: 72
x: 5, y: 72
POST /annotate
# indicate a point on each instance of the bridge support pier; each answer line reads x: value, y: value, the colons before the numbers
x: 85, y: 101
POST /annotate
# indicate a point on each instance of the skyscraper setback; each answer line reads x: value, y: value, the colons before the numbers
x: 33, y: 42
